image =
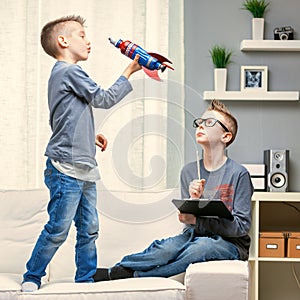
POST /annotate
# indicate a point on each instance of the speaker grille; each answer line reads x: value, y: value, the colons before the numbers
x: 276, y: 162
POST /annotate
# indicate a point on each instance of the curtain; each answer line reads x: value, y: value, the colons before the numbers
x: 145, y: 131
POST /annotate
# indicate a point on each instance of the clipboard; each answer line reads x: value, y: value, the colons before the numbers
x: 203, y: 208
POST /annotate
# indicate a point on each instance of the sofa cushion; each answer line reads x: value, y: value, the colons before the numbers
x: 125, y: 289
x: 9, y: 282
x: 214, y: 280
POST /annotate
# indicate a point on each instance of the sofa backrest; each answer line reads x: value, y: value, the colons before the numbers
x: 22, y: 216
x: 129, y: 222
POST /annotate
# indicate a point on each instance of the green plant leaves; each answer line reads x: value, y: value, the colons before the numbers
x: 256, y: 7
x: 220, y: 56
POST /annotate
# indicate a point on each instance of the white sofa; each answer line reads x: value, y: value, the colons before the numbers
x: 126, y: 226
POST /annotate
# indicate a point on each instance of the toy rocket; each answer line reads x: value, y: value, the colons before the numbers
x: 151, y: 62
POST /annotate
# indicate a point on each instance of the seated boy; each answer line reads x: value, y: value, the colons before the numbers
x: 203, y: 239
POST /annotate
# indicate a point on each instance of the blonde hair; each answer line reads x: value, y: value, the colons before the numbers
x: 52, y: 29
x: 231, y: 121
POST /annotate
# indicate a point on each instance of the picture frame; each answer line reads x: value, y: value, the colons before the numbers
x: 254, y: 78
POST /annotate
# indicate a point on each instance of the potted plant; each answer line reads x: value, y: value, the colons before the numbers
x: 220, y: 58
x: 257, y: 8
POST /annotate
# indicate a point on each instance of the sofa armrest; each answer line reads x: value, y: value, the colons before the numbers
x: 227, y: 279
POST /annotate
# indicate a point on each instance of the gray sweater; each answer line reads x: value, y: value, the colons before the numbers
x: 71, y: 95
x: 232, y: 184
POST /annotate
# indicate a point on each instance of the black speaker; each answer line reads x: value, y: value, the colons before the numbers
x: 276, y: 162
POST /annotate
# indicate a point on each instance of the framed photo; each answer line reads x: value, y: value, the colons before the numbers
x: 254, y: 78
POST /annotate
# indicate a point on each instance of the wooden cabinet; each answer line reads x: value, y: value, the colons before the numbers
x: 274, y: 278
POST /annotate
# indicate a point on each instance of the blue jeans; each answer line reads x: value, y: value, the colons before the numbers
x: 70, y: 199
x: 172, y: 256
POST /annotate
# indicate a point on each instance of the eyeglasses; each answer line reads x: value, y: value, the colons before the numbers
x: 209, y: 122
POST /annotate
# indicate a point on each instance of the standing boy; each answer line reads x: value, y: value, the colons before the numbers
x: 203, y: 239
x: 71, y: 166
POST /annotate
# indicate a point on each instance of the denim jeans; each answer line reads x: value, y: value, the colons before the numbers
x: 172, y: 256
x: 70, y: 199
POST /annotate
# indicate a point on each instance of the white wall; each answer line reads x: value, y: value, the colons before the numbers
x: 262, y: 125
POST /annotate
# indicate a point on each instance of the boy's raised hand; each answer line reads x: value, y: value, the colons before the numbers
x: 196, y: 188
x: 133, y: 67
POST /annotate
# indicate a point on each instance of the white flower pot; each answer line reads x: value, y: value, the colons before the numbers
x: 220, y: 79
x: 258, y: 28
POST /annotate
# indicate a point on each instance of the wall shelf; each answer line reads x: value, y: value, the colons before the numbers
x: 270, y: 45
x: 251, y: 96
x: 260, y: 45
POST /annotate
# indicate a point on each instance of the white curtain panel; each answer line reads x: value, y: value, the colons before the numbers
x: 145, y: 131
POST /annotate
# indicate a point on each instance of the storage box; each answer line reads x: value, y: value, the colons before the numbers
x: 271, y: 244
x: 293, y: 248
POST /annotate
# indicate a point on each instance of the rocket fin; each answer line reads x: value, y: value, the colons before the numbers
x: 152, y: 74
x: 159, y: 57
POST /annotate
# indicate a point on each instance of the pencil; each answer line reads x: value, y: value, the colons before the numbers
x: 198, y: 165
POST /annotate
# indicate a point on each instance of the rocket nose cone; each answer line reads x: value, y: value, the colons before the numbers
x: 112, y: 41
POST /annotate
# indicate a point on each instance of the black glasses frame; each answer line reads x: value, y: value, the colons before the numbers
x: 199, y: 121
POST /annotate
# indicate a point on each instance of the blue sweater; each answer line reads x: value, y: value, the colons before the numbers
x: 71, y: 96
x: 232, y: 184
